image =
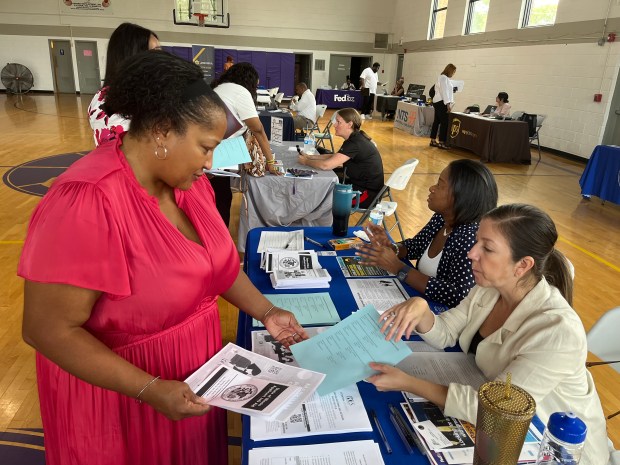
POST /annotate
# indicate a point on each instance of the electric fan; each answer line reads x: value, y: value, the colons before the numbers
x: 17, y: 78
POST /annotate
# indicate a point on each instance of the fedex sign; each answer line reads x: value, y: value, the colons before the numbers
x: 343, y: 98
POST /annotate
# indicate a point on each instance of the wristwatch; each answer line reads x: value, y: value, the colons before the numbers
x: 402, y: 274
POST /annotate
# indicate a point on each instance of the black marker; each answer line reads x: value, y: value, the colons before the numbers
x: 298, y: 149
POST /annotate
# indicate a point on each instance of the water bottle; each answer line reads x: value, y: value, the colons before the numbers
x: 309, y: 142
x: 563, y: 440
x: 376, y: 215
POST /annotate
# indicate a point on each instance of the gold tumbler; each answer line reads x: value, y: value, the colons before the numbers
x: 504, y: 416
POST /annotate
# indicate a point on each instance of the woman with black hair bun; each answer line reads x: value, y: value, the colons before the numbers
x: 464, y: 192
x: 124, y: 262
x: 127, y: 40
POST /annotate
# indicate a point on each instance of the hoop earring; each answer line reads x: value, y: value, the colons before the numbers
x: 157, y: 155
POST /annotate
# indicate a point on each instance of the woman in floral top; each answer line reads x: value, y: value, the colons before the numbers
x: 127, y: 40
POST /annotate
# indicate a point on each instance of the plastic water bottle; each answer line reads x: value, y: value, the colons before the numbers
x: 376, y: 215
x: 309, y: 142
x: 563, y: 440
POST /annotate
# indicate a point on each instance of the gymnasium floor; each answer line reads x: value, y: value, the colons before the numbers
x: 43, y: 133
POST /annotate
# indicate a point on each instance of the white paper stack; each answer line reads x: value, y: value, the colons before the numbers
x: 301, y: 279
x: 290, y: 260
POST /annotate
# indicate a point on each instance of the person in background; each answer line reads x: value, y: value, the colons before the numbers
x: 517, y: 320
x: 237, y: 88
x: 124, y: 261
x: 304, y: 103
x: 398, y: 89
x: 127, y: 40
x: 369, y: 80
x: 464, y: 192
x: 359, y: 157
x: 348, y: 85
x: 229, y: 63
x: 443, y: 101
x: 503, y: 107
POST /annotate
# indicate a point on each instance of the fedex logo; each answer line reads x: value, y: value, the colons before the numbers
x: 343, y: 98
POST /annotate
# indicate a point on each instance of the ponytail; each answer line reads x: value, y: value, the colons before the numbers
x: 557, y: 270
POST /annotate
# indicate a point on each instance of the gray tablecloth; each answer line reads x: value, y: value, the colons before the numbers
x: 414, y: 119
x: 279, y: 201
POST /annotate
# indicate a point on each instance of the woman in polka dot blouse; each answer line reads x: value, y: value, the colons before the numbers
x: 465, y: 191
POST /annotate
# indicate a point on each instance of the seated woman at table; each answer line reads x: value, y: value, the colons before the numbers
x: 518, y: 320
x: 503, y: 107
x: 237, y: 88
x: 398, y: 89
x: 465, y: 191
x: 124, y: 261
x: 348, y: 85
x: 359, y: 157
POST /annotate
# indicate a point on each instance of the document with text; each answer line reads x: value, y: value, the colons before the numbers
x: 344, y: 351
x: 340, y: 453
x: 381, y: 293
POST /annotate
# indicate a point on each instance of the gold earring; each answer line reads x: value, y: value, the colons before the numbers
x: 157, y: 155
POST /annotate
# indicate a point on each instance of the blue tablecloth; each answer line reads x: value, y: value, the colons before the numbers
x: 288, y: 131
x: 601, y: 176
x: 334, y: 98
x: 345, y: 304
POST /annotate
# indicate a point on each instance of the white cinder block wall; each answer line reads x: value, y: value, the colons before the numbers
x: 324, y: 21
x: 558, y: 80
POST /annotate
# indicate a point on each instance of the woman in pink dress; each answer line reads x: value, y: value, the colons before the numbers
x: 124, y: 261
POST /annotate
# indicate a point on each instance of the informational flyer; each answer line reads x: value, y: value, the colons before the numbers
x: 352, y: 268
x: 381, y: 293
x: 277, y: 130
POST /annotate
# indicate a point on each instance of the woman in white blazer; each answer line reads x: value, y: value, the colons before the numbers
x: 517, y: 319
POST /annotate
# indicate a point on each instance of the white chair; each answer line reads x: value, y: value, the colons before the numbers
x: 326, y: 134
x: 279, y: 97
x: 320, y: 111
x: 603, y: 342
x: 398, y: 180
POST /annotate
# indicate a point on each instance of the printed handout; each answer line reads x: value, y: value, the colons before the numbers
x: 344, y: 351
x: 242, y: 381
x: 345, y: 453
x: 381, y: 293
x: 315, y: 308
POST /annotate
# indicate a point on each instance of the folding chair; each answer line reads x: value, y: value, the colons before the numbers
x: 534, y: 125
x: 603, y: 342
x: 326, y: 134
x: 398, y: 180
x: 535, y: 137
x: 320, y: 111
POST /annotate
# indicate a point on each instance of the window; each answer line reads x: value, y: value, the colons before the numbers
x: 477, y: 13
x: 539, y: 12
x: 438, y: 19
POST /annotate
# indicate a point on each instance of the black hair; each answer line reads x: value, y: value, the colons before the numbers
x: 503, y: 96
x: 530, y: 232
x: 128, y: 39
x: 243, y: 74
x: 152, y: 91
x: 376, y: 64
x: 473, y: 189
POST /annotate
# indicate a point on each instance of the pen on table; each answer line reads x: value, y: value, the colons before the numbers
x: 312, y: 241
x: 401, y: 433
x: 290, y: 241
x: 373, y: 414
x: 410, y: 435
x: 298, y: 149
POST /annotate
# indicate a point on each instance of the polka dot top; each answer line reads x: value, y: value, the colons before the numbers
x: 454, y: 277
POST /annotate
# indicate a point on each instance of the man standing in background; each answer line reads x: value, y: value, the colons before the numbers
x: 368, y: 85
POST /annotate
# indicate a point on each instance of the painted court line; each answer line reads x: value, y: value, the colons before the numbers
x: 11, y: 242
x: 592, y: 255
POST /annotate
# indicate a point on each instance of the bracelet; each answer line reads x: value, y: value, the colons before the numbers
x: 396, y: 248
x: 271, y: 162
x: 267, y: 313
x: 138, y: 400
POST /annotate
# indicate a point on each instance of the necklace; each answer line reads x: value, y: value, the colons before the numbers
x: 445, y: 231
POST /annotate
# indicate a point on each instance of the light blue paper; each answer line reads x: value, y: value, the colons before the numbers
x: 231, y: 152
x: 344, y: 351
x: 309, y: 309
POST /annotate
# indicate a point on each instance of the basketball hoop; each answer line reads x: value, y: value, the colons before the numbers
x: 201, y: 18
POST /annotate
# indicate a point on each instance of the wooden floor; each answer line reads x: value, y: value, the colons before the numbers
x: 41, y: 125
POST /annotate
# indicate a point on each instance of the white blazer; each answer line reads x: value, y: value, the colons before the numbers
x: 542, y: 344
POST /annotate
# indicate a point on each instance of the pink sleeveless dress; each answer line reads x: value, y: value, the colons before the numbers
x: 97, y: 228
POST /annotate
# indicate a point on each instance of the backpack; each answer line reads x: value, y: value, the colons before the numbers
x: 431, y: 91
x: 530, y: 119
